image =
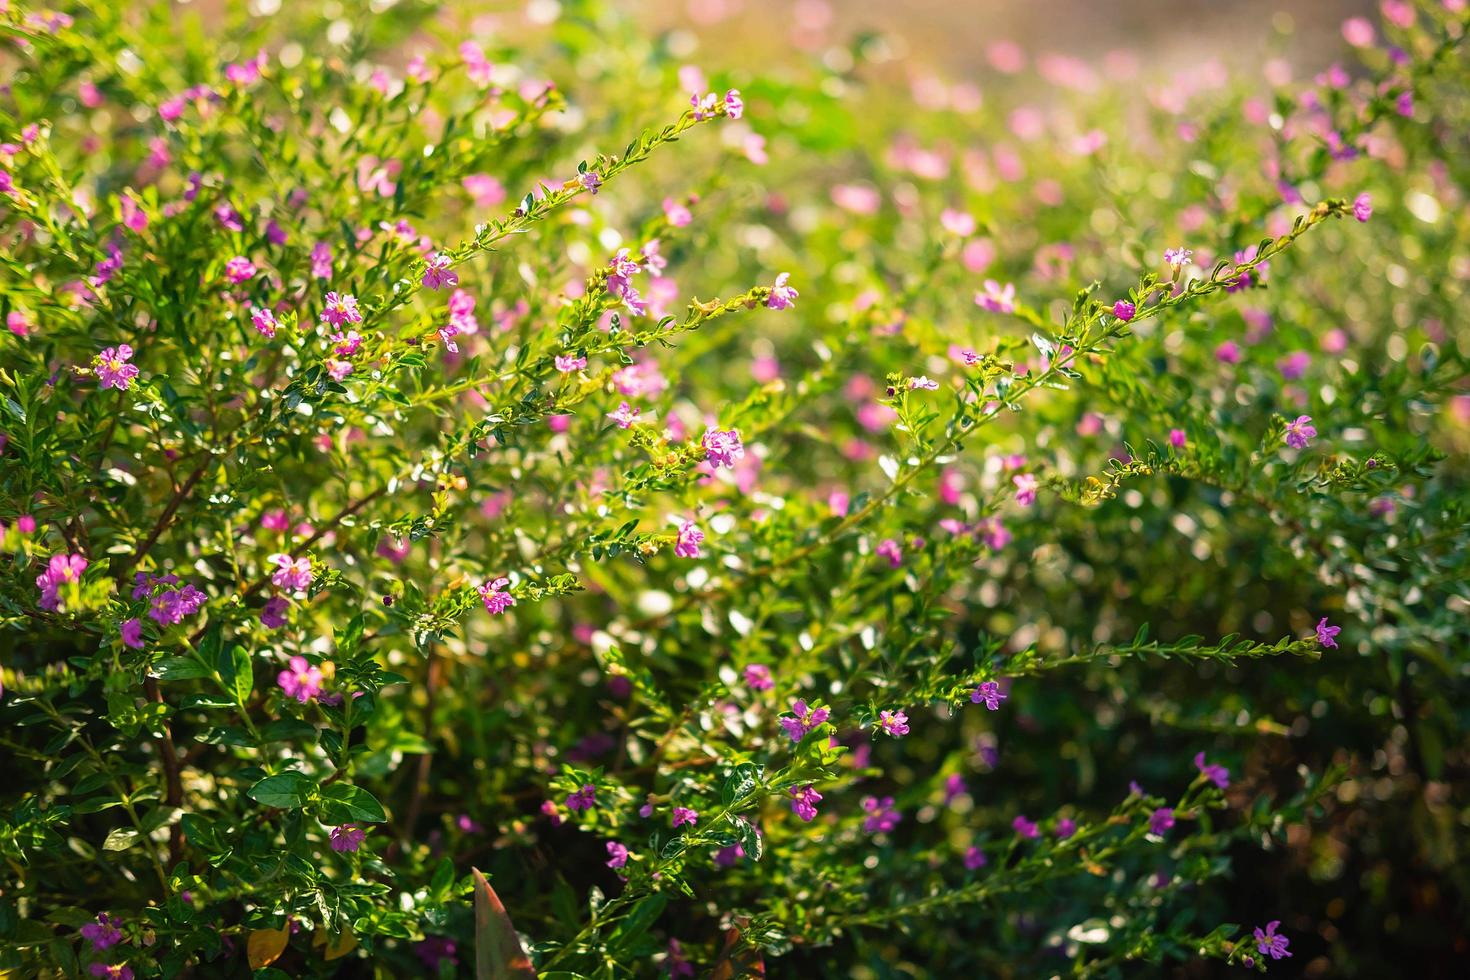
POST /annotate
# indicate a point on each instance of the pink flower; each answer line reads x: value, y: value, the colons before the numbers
x: 922, y: 383
x: 782, y: 297
x: 321, y: 263
x: 997, y: 298
x: 291, y: 573
x: 722, y: 448
x: 625, y: 416
x: 617, y: 854
x: 239, y: 269
x: 1216, y: 774
x: 497, y: 599
x: 301, y: 680
x: 1228, y: 352
x: 890, y: 549
x: 734, y: 107
x: 485, y: 189
x: 264, y: 321
x: 975, y: 859
x: 676, y: 213
x: 807, y: 719
x: 1326, y: 634
x: 1161, y: 821
x: 338, y: 370
x: 590, y: 180
x: 567, y: 363
x: 989, y: 693
x: 438, y: 274
x: 112, y: 367
x: 1025, y: 484
x: 104, y: 933
x: 340, y: 309
x: 60, y: 570
x: 1124, y: 310
x: 347, y: 838
x: 1177, y: 257
x: 1177, y: 439
x: 894, y: 723
x: 957, y: 222
x: 758, y: 677
x: 346, y: 344
x: 1358, y: 31
x: 1025, y: 828
x: 690, y: 537
x: 1363, y: 207
x: 683, y: 815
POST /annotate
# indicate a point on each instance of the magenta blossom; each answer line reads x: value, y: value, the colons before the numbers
x: 1160, y: 821
x: 340, y: 309
x: 782, y: 297
x: 890, y: 549
x: 975, y: 859
x: 1025, y: 828
x: 683, y: 815
x: 894, y: 723
x: 1362, y: 207
x: 688, y: 541
x: 131, y: 632
x: 104, y: 933
x: 1215, y: 773
x: 347, y: 838
x: 617, y: 854
x: 997, y: 298
x: 1026, y: 485
x: 291, y: 573
x: 1124, y: 310
x: 758, y: 677
x: 239, y: 269
x: 1300, y: 432
x: 302, y: 680
x: 496, y: 599
x: 922, y: 383
x: 590, y: 180
x: 567, y: 363
x: 1065, y: 828
x: 438, y: 273
x: 881, y: 817
x: 734, y: 107
x: 264, y: 321
x: 722, y: 449
x: 583, y: 799
x: 804, y: 801
x: 112, y: 367
x: 1326, y: 633
x: 273, y: 616
x: 59, y: 570
x: 1176, y: 257
x: 807, y: 718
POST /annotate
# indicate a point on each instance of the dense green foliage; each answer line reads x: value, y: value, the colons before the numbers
x: 316, y: 608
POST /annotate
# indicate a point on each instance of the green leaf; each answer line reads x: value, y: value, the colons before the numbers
x: 750, y: 838
x: 179, y: 669
x: 286, y: 791
x: 235, y: 673
x: 343, y: 803
x: 741, y: 782
x: 121, y: 839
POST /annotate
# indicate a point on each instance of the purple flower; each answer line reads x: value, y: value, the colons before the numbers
x: 291, y: 573
x: 975, y: 859
x: 590, y: 180
x: 989, y: 693
x: 782, y: 297
x: 1294, y: 365
x: 1362, y: 207
x: 881, y: 816
x: 683, y: 815
x: 804, y: 801
x: 617, y: 854
x: 132, y: 633
x: 997, y: 298
x: 583, y: 799
x: 690, y: 537
x: 1177, y: 256
x: 321, y: 260
x: 1026, y: 485
x: 922, y: 383
x: 104, y: 933
x: 1025, y: 828
x: 340, y: 309
x: 567, y: 363
x: 954, y: 786
x: 734, y: 107
x: 1177, y: 438
x: 1326, y: 633
x: 722, y: 448
x: 1124, y: 310
x: 625, y: 416
x: 806, y: 719
x: 1215, y: 773
x: 894, y: 723
x: 758, y: 677
x: 264, y: 321
x: 1300, y: 432
x: 496, y: 599
x: 435, y: 949
x: 273, y: 616
x: 1160, y: 821
x: 1268, y: 943
x: 1065, y: 828
x: 346, y: 838
x: 116, y: 971
x: 890, y: 549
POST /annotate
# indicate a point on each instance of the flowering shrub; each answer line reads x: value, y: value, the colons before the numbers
x: 1043, y: 548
